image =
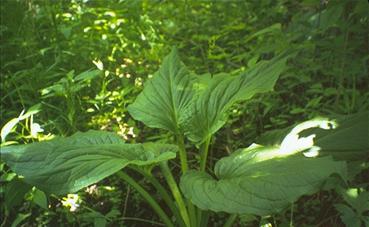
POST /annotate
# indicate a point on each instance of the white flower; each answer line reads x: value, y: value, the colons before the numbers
x: 71, y: 201
x: 35, y: 129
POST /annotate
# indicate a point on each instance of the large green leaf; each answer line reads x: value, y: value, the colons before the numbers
x: 348, y: 140
x: 166, y: 96
x: 68, y: 164
x: 208, y: 113
x: 258, y: 180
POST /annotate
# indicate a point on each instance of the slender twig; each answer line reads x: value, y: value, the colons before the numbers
x: 4, y: 221
x: 126, y: 201
x: 142, y: 220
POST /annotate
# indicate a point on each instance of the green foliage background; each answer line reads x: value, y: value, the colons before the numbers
x: 83, y: 62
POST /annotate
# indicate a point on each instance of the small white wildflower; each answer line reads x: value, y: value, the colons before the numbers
x: 71, y: 201
x: 138, y: 81
x: 98, y: 64
x: 131, y: 132
x: 35, y: 129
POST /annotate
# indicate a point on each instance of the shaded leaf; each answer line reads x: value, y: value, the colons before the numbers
x: 68, y: 164
x: 87, y: 75
x: 208, y: 113
x: 14, y: 192
x: 20, y: 218
x: 40, y: 198
x: 348, y: 216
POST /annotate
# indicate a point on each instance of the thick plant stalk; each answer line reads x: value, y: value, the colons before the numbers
x: 163, y: 193
x: 192, y: 213
x: 182, y: 153
x: 184, y: 168
x: 175, y: 191
x: 203, y: 218
x: 204, y: 154
x: 147, y: 197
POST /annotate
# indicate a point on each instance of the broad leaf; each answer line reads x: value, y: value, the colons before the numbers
x: 258, y: 180
x: 348, y: 140
x: 165, y: 97
x: 14, y: 192
x: 208, y: 113
x: 68, y: 164
x: 39, y: 198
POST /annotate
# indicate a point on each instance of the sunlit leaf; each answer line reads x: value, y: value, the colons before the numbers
x: 8, y: 127
x: 258, y: 180
x: 165, y: 97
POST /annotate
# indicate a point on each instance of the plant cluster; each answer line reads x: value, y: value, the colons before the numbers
x: 191, y: 144
x: 257, y: 180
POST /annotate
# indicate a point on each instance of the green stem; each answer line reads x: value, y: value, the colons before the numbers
x: 192, y: 213
x: 184, y: 167
x: 182, y: 153
x: 204, y: 217
x: 291, y: 216
x: 147, y: 197
x: 163, y: 193
x: 204, y: 150
x: 232, y: 218
x: 141, y: 220
x: 175, y: 191
x: 200, y: 216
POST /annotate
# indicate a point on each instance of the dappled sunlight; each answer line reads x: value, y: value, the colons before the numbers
x: 26, y: 126
x: 352, y: 193
x: 312, y: 152
x: 293, y: 143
